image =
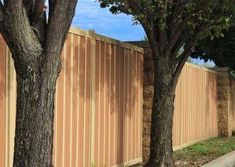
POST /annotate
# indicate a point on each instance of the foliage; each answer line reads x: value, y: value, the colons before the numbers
x: 221, y: 50
x: 174, y: 24
x: 213, y: 14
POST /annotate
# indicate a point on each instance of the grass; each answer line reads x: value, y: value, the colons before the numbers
x: 201, y: 153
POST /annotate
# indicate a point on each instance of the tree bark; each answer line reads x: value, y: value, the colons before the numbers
x: 161, y: 152
x: 35, y: 114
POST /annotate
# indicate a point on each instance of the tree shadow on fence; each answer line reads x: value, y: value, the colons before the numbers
x: 98, y: 110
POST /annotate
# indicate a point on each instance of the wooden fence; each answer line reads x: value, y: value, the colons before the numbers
x: 196, y: 108
x: 98, y: 120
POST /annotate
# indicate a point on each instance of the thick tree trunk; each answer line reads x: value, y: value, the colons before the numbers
x: 161, y: 153
x: 36, y: 42
x: 34, y: 117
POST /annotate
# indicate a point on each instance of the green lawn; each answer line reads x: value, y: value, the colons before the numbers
x: 201, y: 153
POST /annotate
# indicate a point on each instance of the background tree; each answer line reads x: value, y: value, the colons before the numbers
x: 171, y: 25
x: 35, y: 41
x: 221, y: 49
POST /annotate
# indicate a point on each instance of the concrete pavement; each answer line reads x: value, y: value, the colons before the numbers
x: 227, y: 160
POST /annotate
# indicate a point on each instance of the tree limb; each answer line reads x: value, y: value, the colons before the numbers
x: 20, y: 34
x: 179, y: 43
x: 3, y: 30
x: 29, y: 6
x: 176, y: 34
x: 59, y: 21
x: 1, y: 11
x: 152, y: 40
x: 51, y: 7
x: 38, y: 20
x: 181, y: 60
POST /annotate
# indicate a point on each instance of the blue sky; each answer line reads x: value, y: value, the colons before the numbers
x: 90, y: 16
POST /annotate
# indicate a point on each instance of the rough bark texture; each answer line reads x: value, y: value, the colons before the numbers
x: 161, y: 153
x: 34, y: 118
x: 36, y: 46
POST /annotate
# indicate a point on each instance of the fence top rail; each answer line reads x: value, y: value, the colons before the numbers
x: 200, y: 67
x: 94, y: 35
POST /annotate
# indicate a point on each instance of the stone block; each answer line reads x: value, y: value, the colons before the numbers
x: 146, y: 141
x: 147, y: 104
x: 146, y: 129
x: 148, y: 79
x: 147, y: 115
x: 222, y: 105
x: 148, y: 91
x: 145, y: 154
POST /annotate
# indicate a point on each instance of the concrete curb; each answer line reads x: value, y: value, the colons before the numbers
x: 227, y: 160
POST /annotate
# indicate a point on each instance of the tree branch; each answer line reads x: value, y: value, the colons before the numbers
x: 51, y: 7
x: 59, y: 21
x: 1, y: 11
x: 152, y: 40
x: 177, y: 34
x: 179, y: 43
x: 38, y: 20
x: 20, y: 35
x: 181, y: 60
x: 3, y: 30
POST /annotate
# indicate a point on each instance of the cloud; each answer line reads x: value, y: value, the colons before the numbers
x: 89, y: 15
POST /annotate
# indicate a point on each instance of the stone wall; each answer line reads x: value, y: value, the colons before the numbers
x: 148, y: 98
x: 226, y: 102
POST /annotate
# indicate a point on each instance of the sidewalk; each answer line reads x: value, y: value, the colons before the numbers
x: 227, y: 160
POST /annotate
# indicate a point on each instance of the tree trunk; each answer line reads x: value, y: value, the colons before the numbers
x: 36, y: 42
x: 35, y: 114
x: 161, y: 153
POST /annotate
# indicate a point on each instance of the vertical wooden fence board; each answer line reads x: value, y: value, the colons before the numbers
x: 112, y: 109
x: 75, y: 118
x: 107, y: 104
x: 97, y: 104
x: 88, y: 103
x: 102, y: 105
x: 67, y: 99
x: 3, y: 79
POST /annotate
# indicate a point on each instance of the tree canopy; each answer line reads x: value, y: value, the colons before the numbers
x: 221, y: 50
x: 173, y: 24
